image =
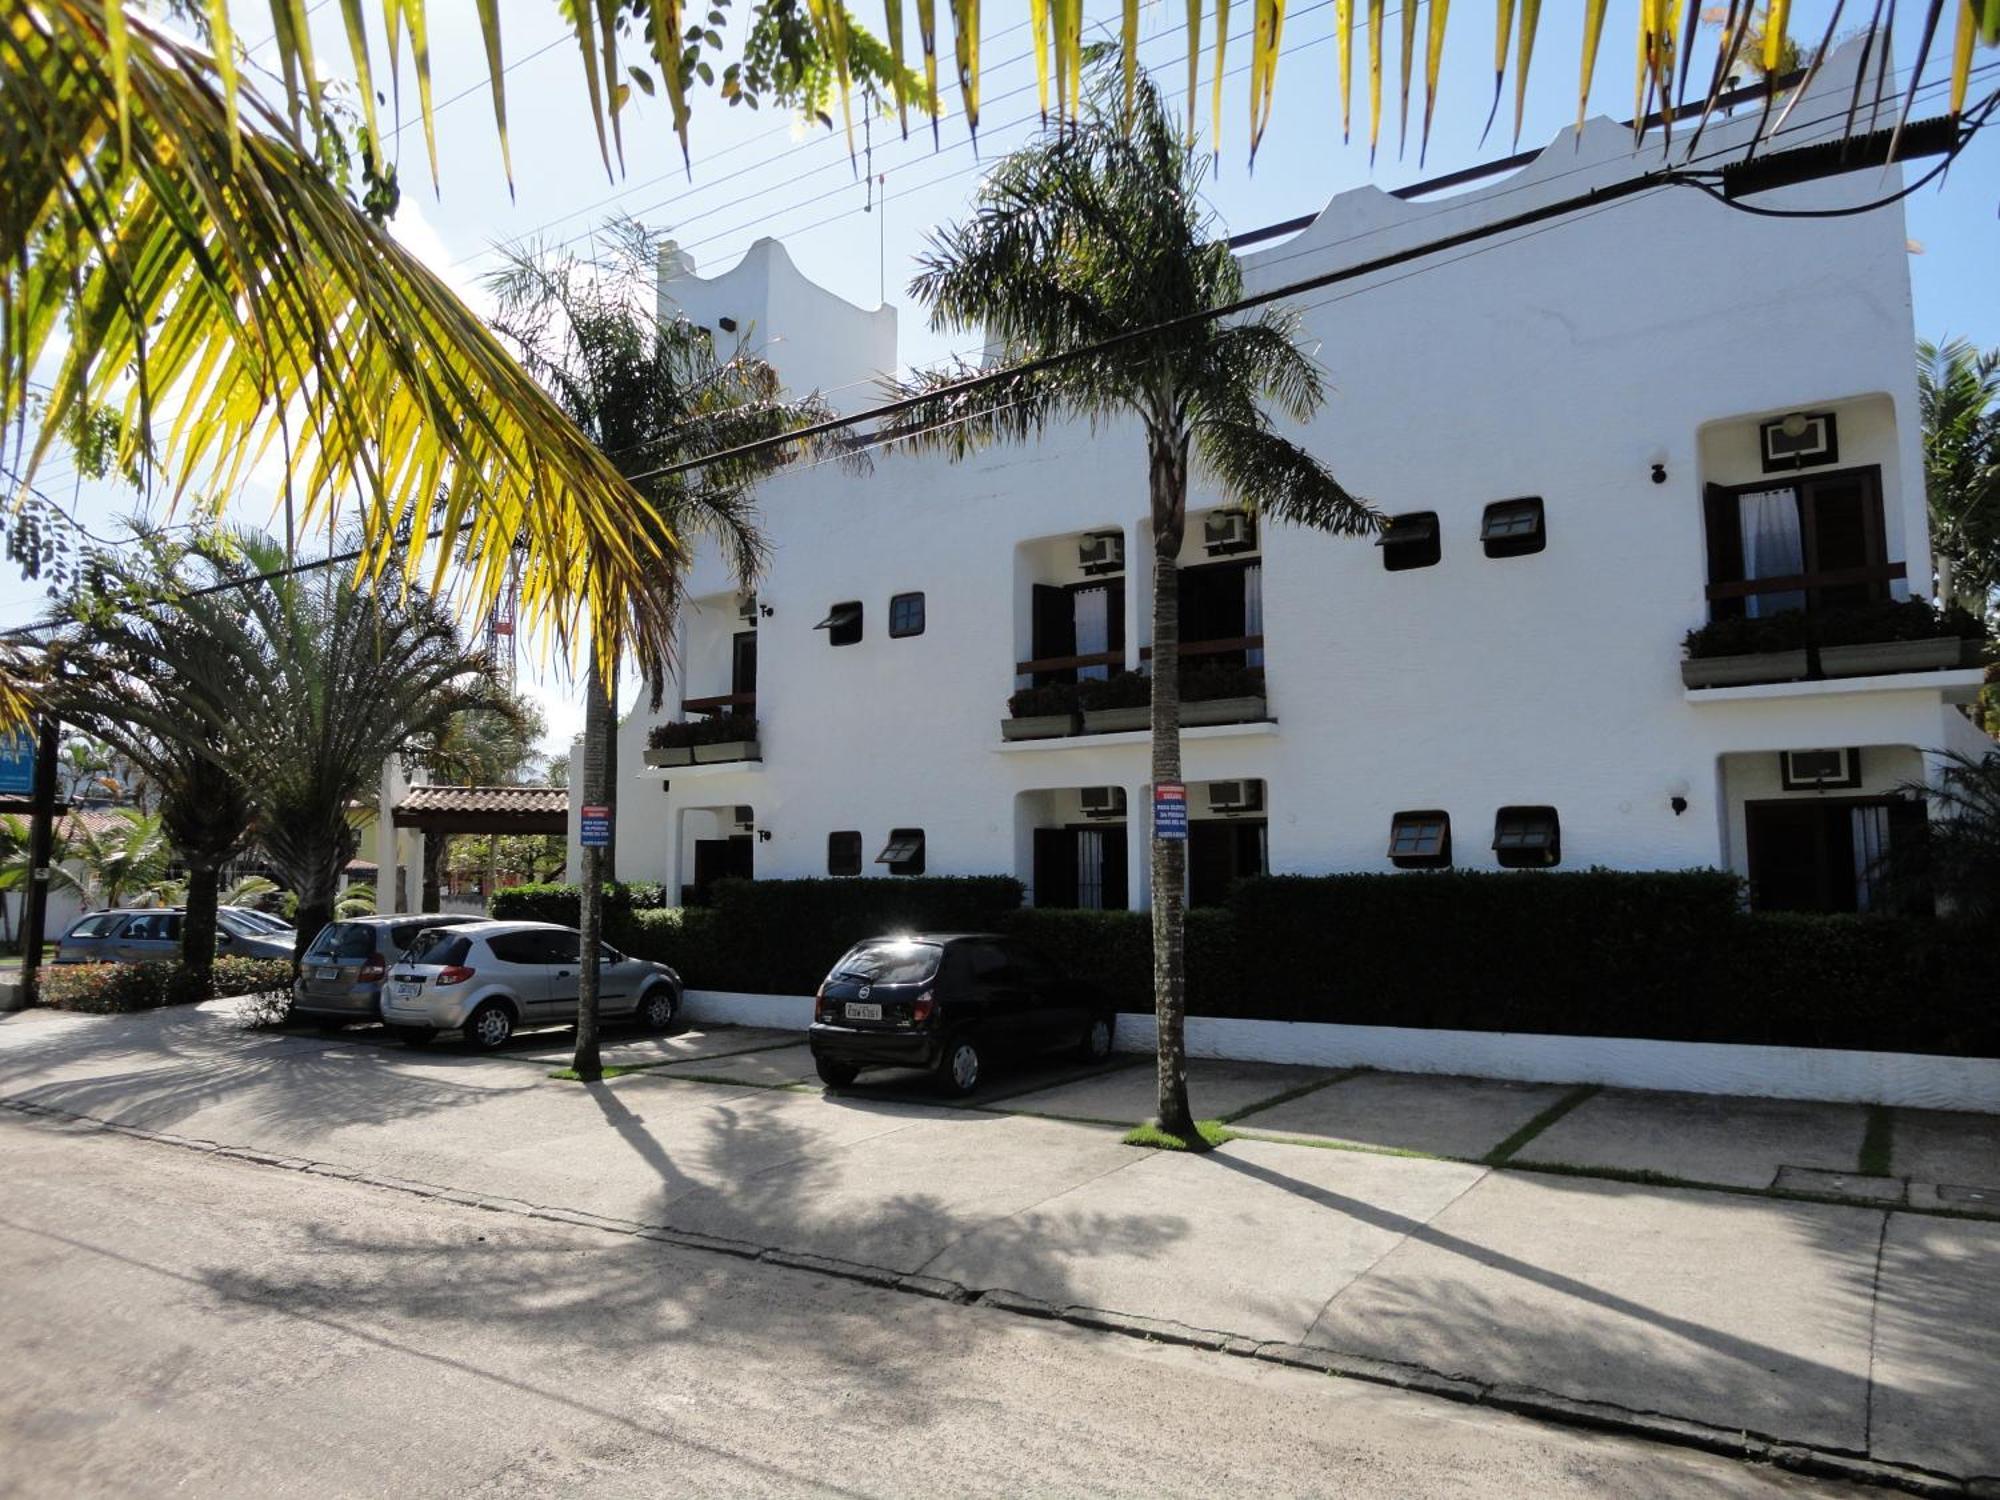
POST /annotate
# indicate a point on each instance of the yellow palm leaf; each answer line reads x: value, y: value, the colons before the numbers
x: 965, y: 25
x: 927, y: 36
x: 1593, y: 36
x: 1961, y: 54
x: 1194, y: 68
x: 1777, y: 18
x: 894, y: 18
x: 1409, y: 67
x: 1503, y: 35
x: 1038, y: 25
x: 1375, y: 19
x: 1343, y: 37
x: 1265, y: 41
x: 1129, y: 40
x: 1433, y: 61
x: 1215, y: 86
x: 1531, y: 16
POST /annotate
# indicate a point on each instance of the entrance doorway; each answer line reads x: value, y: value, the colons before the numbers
x: 1826, y: 854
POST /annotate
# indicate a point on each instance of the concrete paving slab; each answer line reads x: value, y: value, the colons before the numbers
x: 770, y: 1069
x: 1702, y: 1137
x: 629, y: 1049
x: 1738, y: 1311
x: 1937, y: 1344
x: 1240, y: 1239
x: 1465, y: 1117
x: 899, y: 1197
x: 1842, y: 1184
x: 1935, y: 1145
x: 1129, y: 1095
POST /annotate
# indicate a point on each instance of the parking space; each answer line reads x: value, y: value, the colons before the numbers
x: 1703, y: 1137
x: 1437, y: 1116
x: 1129, y: 1094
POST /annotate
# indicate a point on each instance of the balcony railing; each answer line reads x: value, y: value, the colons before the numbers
x: 720, y: 703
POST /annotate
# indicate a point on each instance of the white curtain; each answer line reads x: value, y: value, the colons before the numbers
x: 1253, y: 611
x: 1093, y: 627
x: 1871, y: 842
x: 1090, y: 868
x: 1772, y: 548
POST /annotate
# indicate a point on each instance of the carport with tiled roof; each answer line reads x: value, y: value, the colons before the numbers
x: 440, y: 811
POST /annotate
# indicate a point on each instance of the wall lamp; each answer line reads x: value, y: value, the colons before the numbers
x: 1657, y: 461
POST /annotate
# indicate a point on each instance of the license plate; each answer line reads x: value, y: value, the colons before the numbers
x: 859, y: 1012
x: 407, y: 990
x: 326, y: 973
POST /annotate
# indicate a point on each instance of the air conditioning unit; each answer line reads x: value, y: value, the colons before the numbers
x: 1235, y: 796
x: 1227, y: 531
x: 1101, y: 552
x: 1103, y: 801
x: 746, y: 608
x: 746, y: 817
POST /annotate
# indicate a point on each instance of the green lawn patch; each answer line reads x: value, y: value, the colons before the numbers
x: 1503, y: 1153
x: 1878, y: 1145
x: 1290, y: 1094
x: 1212, y: 1133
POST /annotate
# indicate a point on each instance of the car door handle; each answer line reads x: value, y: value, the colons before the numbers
x: 562, y: 973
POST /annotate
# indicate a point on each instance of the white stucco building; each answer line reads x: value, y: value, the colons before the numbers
x: 1583, y: 429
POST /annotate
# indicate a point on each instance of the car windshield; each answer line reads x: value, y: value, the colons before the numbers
x: 439, y: 946
x: 256, y: 921
x: 96, y: 926
x: 343, y: 940
x: 891, y: 961
x: 243, y: 925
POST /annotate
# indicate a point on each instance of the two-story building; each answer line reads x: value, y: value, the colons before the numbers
x: 1594, y: 434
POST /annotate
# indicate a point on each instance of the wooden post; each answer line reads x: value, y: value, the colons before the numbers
x: 41, y: 842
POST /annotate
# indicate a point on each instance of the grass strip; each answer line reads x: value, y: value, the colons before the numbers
x: 1878, y: 1143
x: 1293, y: 1093
x: 1330, y: 1143
x: 1212, y: 1132
x: 1503, y: 1153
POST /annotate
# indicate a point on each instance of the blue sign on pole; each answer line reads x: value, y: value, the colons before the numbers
x: 594, y: 826
x: 17, y: 763
x: 1170, y: 811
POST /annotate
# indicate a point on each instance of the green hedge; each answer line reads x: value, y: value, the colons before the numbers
x: 1114, y: 951
x: 563, y: 903
x: 117, y: 989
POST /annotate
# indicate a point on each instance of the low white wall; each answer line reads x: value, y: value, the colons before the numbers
x: 1905, y: 1078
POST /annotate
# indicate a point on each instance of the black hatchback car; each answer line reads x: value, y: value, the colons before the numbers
x: 951, y: 1003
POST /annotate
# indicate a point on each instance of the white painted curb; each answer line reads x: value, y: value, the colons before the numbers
x: 1903, y: 1078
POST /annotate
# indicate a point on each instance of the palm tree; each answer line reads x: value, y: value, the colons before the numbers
x: 649, y: 392
x: 16, y: 871
x: 1958, y: 393
x: 124, y: 857
x: 1090, y: 230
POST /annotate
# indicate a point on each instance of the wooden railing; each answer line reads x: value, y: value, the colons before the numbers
x: 1071, y: 663
x: 1212, y: 648
x: 1806, y: 583
x: 720, y: 703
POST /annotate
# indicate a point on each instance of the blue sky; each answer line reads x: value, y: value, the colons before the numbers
x: 762, y: 173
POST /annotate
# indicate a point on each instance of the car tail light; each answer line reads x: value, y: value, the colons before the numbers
x: 376, y: 968
x: 453, y: 974
x: 822, y: 1007
x: 923, y: 1007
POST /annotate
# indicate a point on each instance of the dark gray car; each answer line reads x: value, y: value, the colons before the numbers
x: 340, y: 978
x: 152, y: 934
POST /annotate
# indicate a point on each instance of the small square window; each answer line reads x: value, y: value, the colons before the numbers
x: 906, y: 615
x: 1410, y: 541
x: 1513, y: 528
x: 1819, y: 770
x: 843, y: 853
x: 1527, y: 838
x: 1420, y: 840
x: 904, y: 853
x: 842, y: 624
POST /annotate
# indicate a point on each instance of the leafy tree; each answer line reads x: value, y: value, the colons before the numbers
x: 1958, y: 393
x: 123, y: 858
x: 649, y: 392
x: 487, y: 748
x: 1958, y: 859
x: 1090, y: 230
x: 16, y: 871
x: 357, y: 900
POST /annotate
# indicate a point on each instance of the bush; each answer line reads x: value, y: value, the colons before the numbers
x: 562, y: 903
x: 249, y: 976
x: 1114, y: 951
x: 1048, y: 699
x: 684, y: 938
x: 117, y: 989
x: 717, y: 729
x: 1858, y: 625
x: 1744, y: 635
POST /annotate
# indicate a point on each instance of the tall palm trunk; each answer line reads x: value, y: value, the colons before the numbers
x: 600, y: 781
x: 204, y: 891
x: 1169, y: 505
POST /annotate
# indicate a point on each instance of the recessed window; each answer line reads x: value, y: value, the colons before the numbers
x: 904, y: 853
x: 906, y: 615
x: 1800, y: 440
x: 1513, y: 528
x: 842, y: 624
x: 1410, y: 541
x: 1527, y: 838
x: 843, y: 853
x: 1819, y: 770
x: 1420, y: 840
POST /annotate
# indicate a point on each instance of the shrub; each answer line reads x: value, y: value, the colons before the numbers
x: 117, y: 989
x: 1048, y: 699
x: 1119, y: 690
x: 717, y: 729
x: 1204, y: 680
x: 249, y: 976
x: 1744, y: 635
x: 562, y: 904
x: 1114, y: 951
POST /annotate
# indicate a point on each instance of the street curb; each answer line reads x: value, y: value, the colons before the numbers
x: 1518, y: 1400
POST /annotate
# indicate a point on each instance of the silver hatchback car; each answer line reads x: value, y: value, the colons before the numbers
x: 342, y: 973
x: 490, y: 979
x: 151, y: 933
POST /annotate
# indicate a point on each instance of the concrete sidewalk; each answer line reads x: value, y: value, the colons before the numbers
x: 1518, y: 1236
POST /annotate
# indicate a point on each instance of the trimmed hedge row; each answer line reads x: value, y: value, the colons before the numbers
x: 1592, y: 953
x: 563, y: 904
x: 118, y: 989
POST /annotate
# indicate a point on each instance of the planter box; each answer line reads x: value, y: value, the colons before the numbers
x: 1740, y: 671
x: 708, y: 755
x: 1889, y: 656
x: 1224, y: 711
x: 1117, y: 720
x: 1038, y: 727
x: 682, y: 755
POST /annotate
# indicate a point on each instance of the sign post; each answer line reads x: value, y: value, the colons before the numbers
x: 1170, y: 813
x: 41, y: 769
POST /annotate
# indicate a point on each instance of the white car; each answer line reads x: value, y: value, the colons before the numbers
x: 490, y: 979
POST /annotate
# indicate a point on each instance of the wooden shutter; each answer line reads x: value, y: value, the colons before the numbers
x: 1721, y: 517
x: 1054, y: 625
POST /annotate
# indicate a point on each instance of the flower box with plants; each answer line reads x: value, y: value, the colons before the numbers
x: 1211, y: 693
x: 721, y: 737
x: 1041, y: 713
x: 1745, y: 649
x: 1122, y: 701
x: 1904, y: 635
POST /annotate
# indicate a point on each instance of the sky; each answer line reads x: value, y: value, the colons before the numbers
x: 765, y: 173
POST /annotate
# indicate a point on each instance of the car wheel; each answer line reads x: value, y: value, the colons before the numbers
x: 656, y: 1008
x: 330, y: 1028
x: 489, y: 1026
x: 1096, y: 1043
x: 414, y: 1036
x: 835, y: 1075
x: 960, y: 1067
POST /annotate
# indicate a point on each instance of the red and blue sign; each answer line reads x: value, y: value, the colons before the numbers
x: 1170, y: 818
x: 593, y: 829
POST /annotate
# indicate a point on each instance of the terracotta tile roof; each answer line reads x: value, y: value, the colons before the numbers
x: 486, y: 799
x: 79, y: 821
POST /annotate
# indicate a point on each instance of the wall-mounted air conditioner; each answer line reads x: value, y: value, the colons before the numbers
x: 746, y: 608
x: 1235, y: 796
x: 1227, y: 531
x: 1101, y: 552
x: 1103, y: 801
x: 746, y: 817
